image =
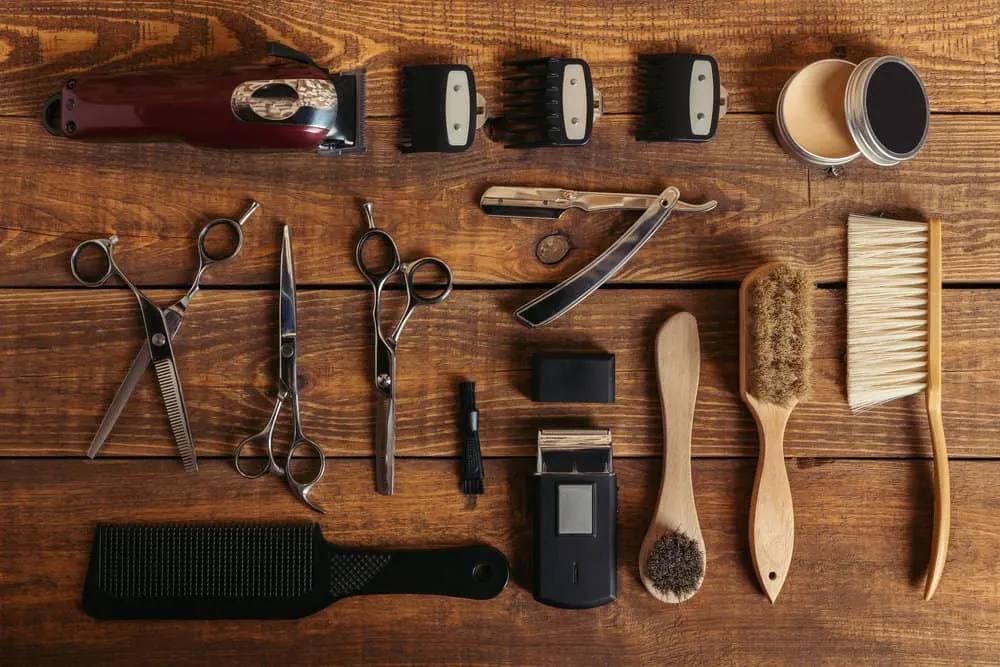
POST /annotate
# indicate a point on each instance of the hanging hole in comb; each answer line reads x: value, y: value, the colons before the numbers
x: 482, y: 572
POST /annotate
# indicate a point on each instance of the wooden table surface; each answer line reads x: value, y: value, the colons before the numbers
x: 861, y: 485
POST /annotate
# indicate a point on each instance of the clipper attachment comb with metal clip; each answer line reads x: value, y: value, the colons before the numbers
x: 548, y: 102
x: 682, y: 99
x: 443, y: 109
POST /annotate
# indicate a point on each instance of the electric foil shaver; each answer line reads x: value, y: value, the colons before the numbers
x: 294, y: 104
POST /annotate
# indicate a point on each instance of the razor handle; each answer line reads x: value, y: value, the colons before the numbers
x: 276, y: 106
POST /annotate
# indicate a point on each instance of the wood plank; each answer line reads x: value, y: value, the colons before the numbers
x: 67, y: 350
x: 758, y: 47
x: 157, y: 196
x: 853, y: 595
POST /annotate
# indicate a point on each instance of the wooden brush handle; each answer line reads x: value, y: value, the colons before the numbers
x: 678, y: 364
x: 942, y: 497
x: 772, y: 521
x: 942, y: 485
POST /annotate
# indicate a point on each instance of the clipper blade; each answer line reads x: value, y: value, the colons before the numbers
x: 348, y: 135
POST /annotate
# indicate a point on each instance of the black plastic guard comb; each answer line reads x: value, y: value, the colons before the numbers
x: 175, y: 571
x: 548, y: 102
x: 441, y: 106
x: 681, y: 97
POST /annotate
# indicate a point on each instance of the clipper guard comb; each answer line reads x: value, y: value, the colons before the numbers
x: 443, y: 109
x: 548, y: 102
x: 291, y: 105
x: 682, y: 99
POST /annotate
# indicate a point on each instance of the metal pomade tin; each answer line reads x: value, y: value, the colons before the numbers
x: 832, y: 111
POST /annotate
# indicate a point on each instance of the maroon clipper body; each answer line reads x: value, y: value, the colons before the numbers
x: 291, y: 105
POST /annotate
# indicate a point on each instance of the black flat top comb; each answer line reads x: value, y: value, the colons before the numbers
x: 264, y: 571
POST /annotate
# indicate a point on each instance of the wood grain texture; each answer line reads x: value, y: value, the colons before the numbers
x: 157, y: 196
x: 863, y: 511
x: 67, y: 350
x: 758, y: 44
x: 853, y: 595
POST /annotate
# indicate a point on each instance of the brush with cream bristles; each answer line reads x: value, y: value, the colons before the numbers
x: 894, y: 338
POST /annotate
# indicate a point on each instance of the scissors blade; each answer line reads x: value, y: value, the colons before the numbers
x: 173, y: 398
x: 287, y: 343
x: 129, y: 384
x: 385, y: 444
x: 286, y: 313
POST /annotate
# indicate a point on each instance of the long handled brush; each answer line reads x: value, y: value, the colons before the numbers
x: 894, y: 338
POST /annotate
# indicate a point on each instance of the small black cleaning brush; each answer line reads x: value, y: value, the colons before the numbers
x: 472, y: 457
x: 264, y: 571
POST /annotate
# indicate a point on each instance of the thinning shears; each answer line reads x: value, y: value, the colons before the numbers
x: 385, y: 345
x: 161, y: 325
x: 288, y: 393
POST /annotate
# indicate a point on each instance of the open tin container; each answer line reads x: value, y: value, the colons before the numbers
x: 832, y: 111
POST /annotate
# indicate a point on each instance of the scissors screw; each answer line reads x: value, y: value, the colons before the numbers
x: 159, y: 340
x: 287, y: 350
x: 383, y: 381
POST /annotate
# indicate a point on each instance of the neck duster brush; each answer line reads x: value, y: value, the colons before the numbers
x: 776, y: 333
x: 894, y: 338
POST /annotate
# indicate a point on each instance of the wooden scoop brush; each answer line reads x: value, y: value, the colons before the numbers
x: 672, y: 557
x: 776, y: 332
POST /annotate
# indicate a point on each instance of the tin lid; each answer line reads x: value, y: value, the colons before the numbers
x: 887, y: 110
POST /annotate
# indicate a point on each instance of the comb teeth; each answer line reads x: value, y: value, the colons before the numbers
x: 207, y: 562
x: 166, y: 377
x: 657, y: 98
x: 533, y: 113
x: 782, y: 335
x: 888, y: 265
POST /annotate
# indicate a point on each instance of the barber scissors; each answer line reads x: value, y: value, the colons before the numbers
x: 288, y: 392
x: 161, y: 325
x: 385, y: 346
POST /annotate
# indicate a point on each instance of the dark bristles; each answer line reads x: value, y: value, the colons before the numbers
x: 675, y: 564
x: 782, y: 334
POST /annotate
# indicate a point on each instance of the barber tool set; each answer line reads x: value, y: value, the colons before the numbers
x: 829, y: 113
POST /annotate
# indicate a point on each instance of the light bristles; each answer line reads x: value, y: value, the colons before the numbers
x: 887, y: 283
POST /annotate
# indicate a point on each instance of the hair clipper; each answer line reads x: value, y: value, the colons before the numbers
x: 294, y: 104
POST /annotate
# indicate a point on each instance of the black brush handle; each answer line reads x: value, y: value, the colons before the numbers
x: 474, y: 572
